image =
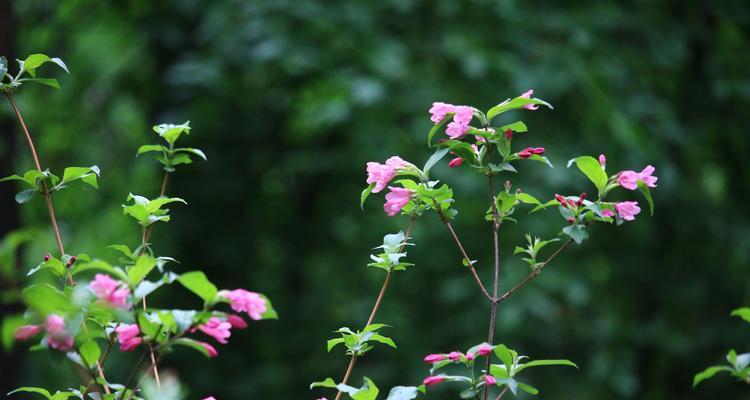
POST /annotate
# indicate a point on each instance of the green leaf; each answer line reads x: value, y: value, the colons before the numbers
x: 90, y: 353
x: 191, y: 150
x: 434, y: 159
x: 365, y: 194
x: 34, y: 61
x: 434, y: 130
x: 367, y: 392
x: 3, y: 67
x: 28, y: 389
x: 647, y: 194
x: 403, y: 393
x: 541, y: 159
x: 709, y: 373
x: 74, y: 173
x: 99, y: 265
x: 149, y: 148
x: 540, y: 363
x: 24, y: 196
x: 270, y: 312
x: 382, y: 339
x: 43, y: 81
x: 528, y: 388
x: 518, y: 126
x: 46, y: 299
x: 743, y: 313
x: 13, y: 178
x: 593, y: 170
x: 198, y: 283
x: 577, y: 232
x: 514, y: 104
x: 333, y: 343
x: 171, y: 132
x: 62, y: 395
x: 193, y: 344
x: 143, y: 265
x: 505, y: 355
x: 327, y: 383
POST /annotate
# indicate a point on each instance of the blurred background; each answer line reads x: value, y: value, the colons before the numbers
x: 290, y: 98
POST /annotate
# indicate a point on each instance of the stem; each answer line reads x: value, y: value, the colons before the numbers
x: 534, y: 273
x: 466, y: 257
x: 147, y: 232
x: 500, y: 396
x: 496, y: 281
x: 132, y: 374
x: 377, y: 305
x: 51, y: 210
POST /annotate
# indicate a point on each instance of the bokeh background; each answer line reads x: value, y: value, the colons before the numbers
x: 290, y: 98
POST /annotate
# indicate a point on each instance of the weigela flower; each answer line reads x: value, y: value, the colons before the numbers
x: 462, y: 116
x: 26, y: 332
x: 127, y: 335
x: 627, y: 209
x: 490, y: 380
x: 484, y: 349
x: 629, y: 179
x: 395, y: 200
x: 529, y: 151
x: 456, y: 162
x: 382, y: 174
x: 217, y: 329
x: 112, y: 292
x: 242, y: 300
x: 57, y: 336
x: 455, y: 355
x: 527, y: 95
x: 433, y: 380
x: 210, y: 349
x: 439, y: 110
x: 608, y: 213
x: 433, y: 358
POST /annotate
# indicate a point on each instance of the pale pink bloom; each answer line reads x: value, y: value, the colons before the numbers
x: 602, y: 160
x: 26, y: 332
x: 490, y: 380
x: 433, y: 358
x: 627, y: 210
x: 484, y: 349
x: 608, y: 213
x: 210, y: 398
x: 57, y: 336
x: 433, y: 380
x: 455, y: 355
x: 527, y: 95
x: 127, y: 335
x: 236, y: 321
x: 439, y: 110
x: 464, y: 115
x: 456, y: 162
x: 112, y: 292
x: 629, y: 179
x: 456, y: 130
x: 217, y: 329
x: 210, y: 349
x: 395, y: 200
x: 381, y: 174
x: 242, y: 300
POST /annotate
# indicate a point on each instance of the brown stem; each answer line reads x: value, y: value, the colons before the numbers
x: 534, y: 273
x: 377, y: 305
x: 51, y: 210
x: 465, y: 256
x: 496, y: 280
x: 500, y: 396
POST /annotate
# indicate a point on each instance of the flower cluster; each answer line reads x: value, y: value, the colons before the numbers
x: 111, y: 292
x: 57, y: 336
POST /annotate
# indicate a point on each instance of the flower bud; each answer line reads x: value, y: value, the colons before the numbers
x: 456, y: 162
x: 571, y: 220
x: 433, y: 358
x: 47, y: 257
x: 490, y: 380
x: 561, y: 200
x: 581, y: 198
x: 602, y: 160
x: 509, y: 134
x: 433, y: 380
x: 537, y: 150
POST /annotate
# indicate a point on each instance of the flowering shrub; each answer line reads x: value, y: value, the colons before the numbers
x: 86, y: 305
x: 489, y: 369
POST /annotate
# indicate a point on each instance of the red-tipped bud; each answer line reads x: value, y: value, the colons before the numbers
x: 456, y: 162
x: 571, y: 220
x: 524, y: 154
x: 537, y: 150
x: 581, y: 198
x: 561, y: 200
x: 509, y: 134
x: 47, y: 257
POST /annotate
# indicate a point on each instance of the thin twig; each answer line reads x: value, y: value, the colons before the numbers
x: 500, y: 396
x: 496, y: 280
x: 465, y: 256
x: 534, y: 273
x: 377, y: 304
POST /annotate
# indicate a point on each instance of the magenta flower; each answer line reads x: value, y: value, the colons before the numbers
x: 26, y: 332
x: 608, y: 213
x: 236, y: 321
x: 529, y: 151
x: 242, y: 300
x: 57, y: 336
x: 439, y: 110
x: 433, y: 358
x: 395, y: 200
x: 456, y: 162
x: 455, y: 355
x: 112, y: 292
x: 217, y: 329
x: 527, y: 95
x: 490, y: 380
x: 382, y: 174
x: 602, y: 160
x: 127, y: 335
x: 629, y: 179
x: 627, y: 210
x: 484, y: 349
x: 433, y: 380
x: 210, y: 349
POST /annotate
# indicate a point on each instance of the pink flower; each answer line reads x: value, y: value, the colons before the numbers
x: 439, y: 110
x: 236, y: 321
x: 469, y: 356
x: 112, y: 292
x: 602, y: 160
x: 627, y: 210
x: 210, y: 349
x: 57, y: 336
x: 210, y: 398
x: 464, y: 115
x: 527, y: 95
x: 26, y: 332
x: 629, y: 179
x: 608, y: 213
x: 242, y: 300
x: 484, y: 349
x: 455, y: 355
x: 433, y: 358
x: 456, y: 162
x: 216, y: 329
x: 490, y: 380
x: 395, y: 200
x: 127, y: 335
x: 381, y: 174
x: 433, y: 380
x: 456, y: 130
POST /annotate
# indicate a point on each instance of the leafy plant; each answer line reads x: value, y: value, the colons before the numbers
x: 739, y: 364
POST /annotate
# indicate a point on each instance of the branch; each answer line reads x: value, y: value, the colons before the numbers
x: 534, y: 273
x: 465, y: 256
